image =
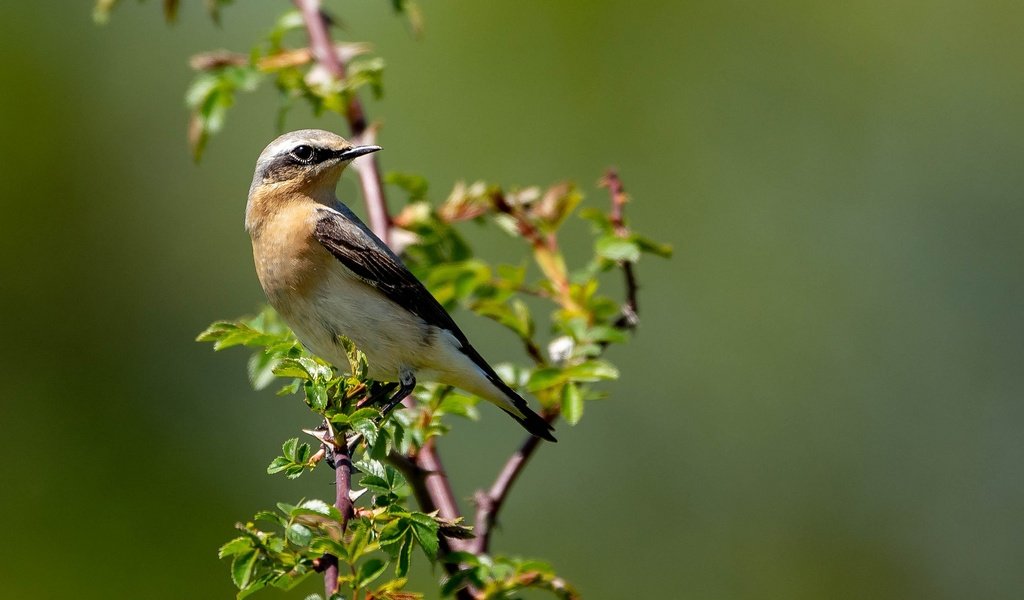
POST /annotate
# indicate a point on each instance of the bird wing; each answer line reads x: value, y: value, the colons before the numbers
x: 367, y: 257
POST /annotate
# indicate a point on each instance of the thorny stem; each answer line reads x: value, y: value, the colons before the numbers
x: 340, y: 459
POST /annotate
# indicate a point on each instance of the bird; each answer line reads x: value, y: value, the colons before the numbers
x: 328, y: 275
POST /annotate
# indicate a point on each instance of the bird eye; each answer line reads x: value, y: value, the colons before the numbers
x: 303, y: 153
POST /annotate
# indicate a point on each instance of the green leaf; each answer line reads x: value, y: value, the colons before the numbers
x: 375, y: 484
x: 298, y: 534
x: 456, y: 581
x: 572, y: 403
x: 372, y: 467
x: 592, y: 370
x: 321, y: 508
x: 404, y: 556
x: 459, y: 404
x: 369, y: 571
x: 652, y: 247
x: 367, y: 427
x: 242, y: 567
x: 365, y: 413
x: 605, y: 333
x: 253, y: 587
x: 393, y: 532
x: 426, y: 535
x: 462, y: 558
x: 239, y: 545
x: 278, y: 464
x: 304, y: 368
x: 288, y: 448
x: 616, y: 248
x: 316, y: 395
x: 289, y: 21
x: 544, y: 378
x: 260, y: 369
x: 598, y: 218
x: 270, y: 517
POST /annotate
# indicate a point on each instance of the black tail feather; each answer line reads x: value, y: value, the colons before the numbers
x: 531, y: 421
x: 534, y: 423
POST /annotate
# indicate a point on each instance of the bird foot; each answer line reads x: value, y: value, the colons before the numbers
x: 407, y: 383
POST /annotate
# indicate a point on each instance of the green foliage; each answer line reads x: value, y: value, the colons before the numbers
x: 290, y: 544
x: 372, y: 543
x: 293, y: 70
x: 503, y: 577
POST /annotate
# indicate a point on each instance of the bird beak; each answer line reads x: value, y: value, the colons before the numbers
x: 355, y: 151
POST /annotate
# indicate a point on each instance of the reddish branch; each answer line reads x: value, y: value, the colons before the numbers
x: 489, y: 503
x: 340, y: 459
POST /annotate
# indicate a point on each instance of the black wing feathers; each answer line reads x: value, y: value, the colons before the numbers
x: 383, y: 272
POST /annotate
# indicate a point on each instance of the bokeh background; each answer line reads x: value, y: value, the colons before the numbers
x: 824, y: 398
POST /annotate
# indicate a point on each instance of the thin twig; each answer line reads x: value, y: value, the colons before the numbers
x: 490, y: 502
x: 630, y: 311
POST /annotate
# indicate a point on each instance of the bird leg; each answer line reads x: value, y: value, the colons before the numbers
x: 379, y: 395
x: 407, y: 383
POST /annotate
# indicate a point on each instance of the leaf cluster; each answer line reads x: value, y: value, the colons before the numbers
x: 294, y: 541
x: 503, y: 576
x: 583, y: 321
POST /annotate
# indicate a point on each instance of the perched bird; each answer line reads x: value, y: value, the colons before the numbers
x: 328, y: 275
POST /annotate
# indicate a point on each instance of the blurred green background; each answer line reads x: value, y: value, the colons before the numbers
x: 824, y: 397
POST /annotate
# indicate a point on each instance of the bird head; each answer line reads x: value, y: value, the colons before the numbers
x: 304, y: 163
x: 307, y: 160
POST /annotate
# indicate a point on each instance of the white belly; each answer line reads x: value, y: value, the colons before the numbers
x: 341, y: 304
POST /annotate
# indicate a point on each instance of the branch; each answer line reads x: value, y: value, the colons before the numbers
x: 326, y: 54
x: 340, y: 459
x: 630, y: 312
x: 490, y: 502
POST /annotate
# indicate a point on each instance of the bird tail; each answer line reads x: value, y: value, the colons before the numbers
x: 531, y: 421
x: 505, y: 398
